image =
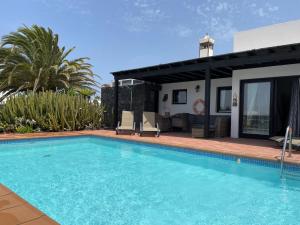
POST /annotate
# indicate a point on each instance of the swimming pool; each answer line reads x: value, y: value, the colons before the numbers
x: 91, y: 180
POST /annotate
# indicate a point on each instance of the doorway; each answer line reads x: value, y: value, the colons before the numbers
x: 265, y: 106
x: 256, y: 103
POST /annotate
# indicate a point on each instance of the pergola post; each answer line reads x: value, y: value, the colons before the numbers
x: 207, y: 102
x: 116, y: 102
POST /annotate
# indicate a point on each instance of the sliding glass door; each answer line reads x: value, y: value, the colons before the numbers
x: 255, y: 108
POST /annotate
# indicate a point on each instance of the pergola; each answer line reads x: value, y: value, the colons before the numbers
x: 215, y: 67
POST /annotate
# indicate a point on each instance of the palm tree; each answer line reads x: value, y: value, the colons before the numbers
x: 31, y: 60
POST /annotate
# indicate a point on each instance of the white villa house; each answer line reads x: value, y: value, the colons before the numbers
x: 252, y: 85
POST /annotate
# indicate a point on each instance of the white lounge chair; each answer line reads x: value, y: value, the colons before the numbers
x: 148, y: 125
x: 280, y: 139
x: 127, y: 123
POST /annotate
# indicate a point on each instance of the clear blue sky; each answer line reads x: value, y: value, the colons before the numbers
x: 122, y: 34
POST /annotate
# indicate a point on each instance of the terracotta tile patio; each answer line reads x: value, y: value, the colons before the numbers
x: 15, y: 210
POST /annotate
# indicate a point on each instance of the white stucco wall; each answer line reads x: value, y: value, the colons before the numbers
x: 274, y: 35
x: 192, y: 95
x: 263, y: 72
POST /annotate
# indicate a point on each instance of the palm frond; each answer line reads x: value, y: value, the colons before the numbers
x: 32, y: 56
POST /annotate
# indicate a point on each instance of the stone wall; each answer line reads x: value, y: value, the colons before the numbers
x: 144, y: 98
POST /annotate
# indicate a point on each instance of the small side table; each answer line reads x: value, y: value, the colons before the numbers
x: 197, y: 132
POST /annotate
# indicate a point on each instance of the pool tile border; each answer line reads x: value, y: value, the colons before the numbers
x: 243, y: 159
x: 9, y: 141
x: 203, y: 152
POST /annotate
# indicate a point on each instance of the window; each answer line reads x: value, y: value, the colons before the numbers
x: 179, y: 96
x: 224, y: 99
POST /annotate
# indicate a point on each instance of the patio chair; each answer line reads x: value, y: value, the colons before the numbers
x: 164, y: 123
x: 280, y: 140
x: 148, y: 124
x: 219, y: 127
x: 127, y: 123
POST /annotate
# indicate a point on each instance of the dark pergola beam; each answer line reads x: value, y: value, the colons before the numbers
x: 176, y: 81
x: 249, y: 61
x: 164, y: 79
x: 164, y: 72
x: 196, y: 73
x: 116, y: 102
x: 245, y: 60
x: 190, y: 76
x: 221, y: 71
x: 226, y: 69
x: 207, y: 102
x: 217, y: 73
x: 177, y: 78
x: 184, y: 76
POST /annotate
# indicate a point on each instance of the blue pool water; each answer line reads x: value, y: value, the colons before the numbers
x: 89, y: 180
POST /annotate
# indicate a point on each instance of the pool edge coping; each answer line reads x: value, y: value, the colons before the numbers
x: 36, y: 215
x: 247, y: 159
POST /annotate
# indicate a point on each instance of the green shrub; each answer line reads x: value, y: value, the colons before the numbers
x: 24, y: 129
x: 51, y: 111
x: 5, y: 127
x: 2, y: 127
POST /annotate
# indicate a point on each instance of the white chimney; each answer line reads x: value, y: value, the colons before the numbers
x: 206, y: 46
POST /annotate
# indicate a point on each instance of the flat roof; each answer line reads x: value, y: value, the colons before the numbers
x: 221, y: 66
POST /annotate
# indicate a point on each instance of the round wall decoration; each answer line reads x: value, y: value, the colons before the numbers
x: 199, y: 106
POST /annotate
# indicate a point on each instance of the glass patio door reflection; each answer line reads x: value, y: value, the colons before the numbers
x: 256, y: 107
